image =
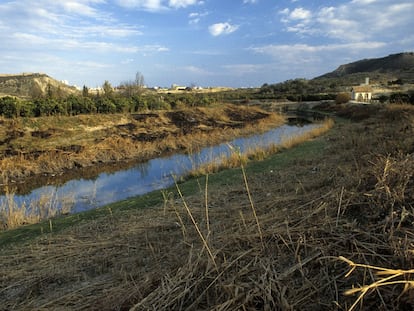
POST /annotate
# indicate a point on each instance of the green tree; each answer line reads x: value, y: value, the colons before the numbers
x: 49, y: 90
x: 9, y: 107
x: 108, y: 89
x: 140, y: 103
x: 105, y: 105
x: 26, y: 109
x: 85, y: 91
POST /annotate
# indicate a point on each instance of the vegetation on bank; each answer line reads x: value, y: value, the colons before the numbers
x: 52, y: 145
x: 14, y: 215
x: 134, y: 98
x: 105, y: 103
x: 305, y: 229
x: 236, y: 159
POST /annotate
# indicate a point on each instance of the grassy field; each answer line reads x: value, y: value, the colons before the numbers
x: 295, y: 231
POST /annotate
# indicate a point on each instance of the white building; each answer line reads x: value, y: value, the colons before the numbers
x: 362, y: 93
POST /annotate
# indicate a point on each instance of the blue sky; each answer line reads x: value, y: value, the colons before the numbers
x: 237, y: 43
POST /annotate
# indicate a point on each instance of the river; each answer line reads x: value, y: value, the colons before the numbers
x: 83, y: 194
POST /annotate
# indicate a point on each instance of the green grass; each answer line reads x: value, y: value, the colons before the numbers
x: 192, y: 186
x: 55, y: 225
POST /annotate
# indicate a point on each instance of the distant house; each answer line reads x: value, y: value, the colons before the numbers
x: 362, y: 93
x: 178, y: 87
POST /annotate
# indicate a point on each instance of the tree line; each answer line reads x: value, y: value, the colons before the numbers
x: 107, y: 102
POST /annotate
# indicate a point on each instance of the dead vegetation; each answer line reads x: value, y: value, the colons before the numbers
x: 52, y: 145
x: 281, y: 238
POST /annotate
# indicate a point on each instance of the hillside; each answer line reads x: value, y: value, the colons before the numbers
x: 391, y: 67
x: 33, y: 85
x: 393, y: 73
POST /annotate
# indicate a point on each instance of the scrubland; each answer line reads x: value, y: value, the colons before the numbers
x: 296, y: 230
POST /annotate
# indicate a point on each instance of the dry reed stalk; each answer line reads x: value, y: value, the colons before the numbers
x: 259, y: 153
x: 246, y: 184
x: 389, y: 279
x: 206, y: 207
x: 13, y: 215
x: 196, y: 226
x: 177, y: 214
x: 295, y: 140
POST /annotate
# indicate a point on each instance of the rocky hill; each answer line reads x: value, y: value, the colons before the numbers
x: 392, y: 67
x: 33, y: 85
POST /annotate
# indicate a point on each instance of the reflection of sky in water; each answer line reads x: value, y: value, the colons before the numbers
x: 153, y: 175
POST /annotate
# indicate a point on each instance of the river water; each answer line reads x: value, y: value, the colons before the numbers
x: 84, y: 194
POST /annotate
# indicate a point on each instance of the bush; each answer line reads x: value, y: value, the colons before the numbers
x: 9, y: 107
x: 342, y: 98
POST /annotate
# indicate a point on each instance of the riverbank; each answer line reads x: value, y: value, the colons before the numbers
x: 273, y: 235
x: 54, y: 145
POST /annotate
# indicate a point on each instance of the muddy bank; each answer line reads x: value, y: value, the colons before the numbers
x: 58, y: 145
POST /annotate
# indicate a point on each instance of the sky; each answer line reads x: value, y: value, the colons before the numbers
x: 233, y: 43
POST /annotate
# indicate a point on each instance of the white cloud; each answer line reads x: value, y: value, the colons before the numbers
x: 357, y: 20
x: 74, y: 7
x: 150, y: 5
x: 242, y: 69
x: 276, y: 50
x: 157, y: 5
x: 195, y: 17
x: 297, y: 20
x: 296, y: 14
x: 309, y: 61
x: 285, y: 11
x: 314, y: 57
x: 250, y: 1
x: 63, y: 26
x: 62, y: 18
x: 222, y: 29
x: 153, y: 48
x: 363, y: 2
x: 300, y: 13
x: 181, y: 3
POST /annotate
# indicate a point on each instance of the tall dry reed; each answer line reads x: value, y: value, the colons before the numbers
x: 14, y: 214
x: 236, y: 159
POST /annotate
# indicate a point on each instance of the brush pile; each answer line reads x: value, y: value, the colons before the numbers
x: 296, y: 237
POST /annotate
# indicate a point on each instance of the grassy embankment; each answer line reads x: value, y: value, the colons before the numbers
x: 50, y: 145
x: 109, y: 138
x: 279, y: 234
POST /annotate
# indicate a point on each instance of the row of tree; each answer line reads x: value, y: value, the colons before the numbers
x: 109, y: 102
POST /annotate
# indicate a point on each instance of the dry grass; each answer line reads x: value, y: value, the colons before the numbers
x: 343, y: 202
x: 387, y: 277
x: 296, y: 140
x: 51, y: 145
x: 47, y: 206
x: 235, y: 159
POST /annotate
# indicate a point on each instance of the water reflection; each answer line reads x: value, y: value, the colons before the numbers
x: 145, y: 177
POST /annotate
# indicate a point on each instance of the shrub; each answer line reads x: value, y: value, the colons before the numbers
x: 9, y: 107
x: 342, y: 98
